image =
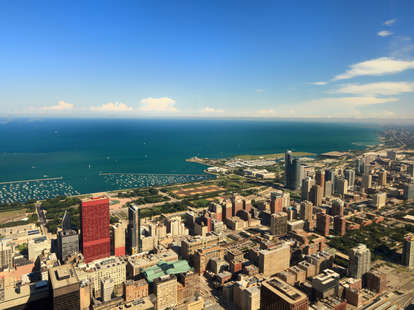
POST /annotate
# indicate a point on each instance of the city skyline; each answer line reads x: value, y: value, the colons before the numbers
x: 210, y: 60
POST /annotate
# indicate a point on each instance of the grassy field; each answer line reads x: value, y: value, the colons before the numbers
x: 272, y: 156
x: 12, y: 216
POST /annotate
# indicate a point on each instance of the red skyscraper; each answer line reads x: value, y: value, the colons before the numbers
x: 94, y: 217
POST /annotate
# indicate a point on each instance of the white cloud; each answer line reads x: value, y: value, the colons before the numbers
x: 266, y: 112
x: 376, y: 67
x: 320, y: 83
x: 163, y: 104
x: 377, y: 89
x: 384, y: 33
x: 61, y: 106
x: 363, y: 100
x: 259, y: 90
x: 390, y: 22
x: 211, y: 110
x: 112, y: 107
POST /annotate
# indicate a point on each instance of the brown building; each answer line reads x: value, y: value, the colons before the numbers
x: 278, y: 224
x: 188, y: 284
x: 276, y: 294
x: 274, y: 260
x: 376, y: 281
x: 135, y: 289
x: 322, y: 224
x: 316, y: 194
x: 237, y: 204
x: 320, y: 178
x: 276, y: 202
x: 203, y: 256
x: 339, y: 225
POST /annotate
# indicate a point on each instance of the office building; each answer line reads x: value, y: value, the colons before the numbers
x: 236, y: 204
x: 408, y: 251
x: 328, y: 189
x: 338, y: 207
x: 278, y: 224
x: 67, y: 239
x: 134, y: 230
x: 376, y: 281
x: 349, y: 175
x: 166, y: 292
x: 307, y: 184
x: 322, y: 224
x: 366, y: 181
x: 320, y: 178
x: 306, y: 210
x: 339, y: 225
x: 341, y: 186
x: 293, y: 171
x: 64, y: 287
x: 380, y: 199
x: 94, y: 218
x: 107, y: 288
x: 274, y: 260
x: 276, y: 294
x: 410, y: 170
x: 276, y: 202
x: 315, y: 195
x: 408, y: 191
x: 135, y: 289
x: 382, y: 178
x: 118, y: 240
x: 359, y: 261
x: 325, y: 284
x: 6, y: 254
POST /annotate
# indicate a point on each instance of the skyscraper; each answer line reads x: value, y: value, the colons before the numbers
x: 277, y: 294
x: 320, y: 178
x: 315, y: 195
x: 339, y: 225
x: 64, y: 288
x: 134, y: 234
x: 67, y: 239
x: 360, y: 261
x: 408, y: 251
x: 94, y: 218
x: 322, y: 224
x: 349, y: 175
x: 306, y: 187
x: 293, y: 173
x: 276, y: 202
x: 278, y: 224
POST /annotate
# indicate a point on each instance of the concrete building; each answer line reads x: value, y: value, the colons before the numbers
x: 64, y: 287
x: 134, y: 230
x: 112, y: 267
x: 278, y: 224
x: 274, y: 260
x: 341, y: 186
x: 379, y: 200
x: 306, y: 211
x: 293, y: 171
x: 408, y: 251
x: 176, y: 227
x: 338, y: 207
x: 118, y: 240
x: 408, y: 191
x: 339, y: 225
x: 276, y: 202
x: 276, y: 294
x: 6, y: 254
x: 307, y: 184
x: 191, y: 245
x: 36, y: 246
x: 166, y: 292
x: 359, y: 261
x: 322, y: 224
x: 349, y: 175
x: 316, y: 194
x: 107, y: 288
x: 328, y: 188
x: 376, y: 281
x: 366, y: 181
x: 67, y: 244
x: 382, y: 177
x: 325, y: 284
x: 237, y: 204
x: 320, y: 178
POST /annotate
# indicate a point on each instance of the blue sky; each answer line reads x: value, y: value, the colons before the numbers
x: 348, y: 59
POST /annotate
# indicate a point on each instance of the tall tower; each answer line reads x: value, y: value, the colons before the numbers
x: 360, y: 261
x: 134, y: 234
x: 320, y: 178
x: 350, y: 177
x: 94, y: 217
x: 67, y: 239
x: 408, y: 251
x: 276, y: 202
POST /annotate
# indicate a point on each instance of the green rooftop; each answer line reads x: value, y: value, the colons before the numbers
x: 165, y: 268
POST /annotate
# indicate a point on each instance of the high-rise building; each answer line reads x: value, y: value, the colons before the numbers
x: 408, y: 251
x: 408, y: 191
x: 307, y: 184
x: 67, y: 239
x: 366, y: 181
x: 275, y: 260
x: 94, y: 218
x: 341, y: 186
x: 322, y: 224
x: 360, y: 261
x: 64, y: 288
x: 36, y: 246
x: 107, y: 288
x: 320, y: 178
x: 6, y: 254
x: 382, y: 178
x: 359, y: 166
x: 118, y: 239
x: 410, y: 170
x: 237, y: 204
x: 315, y: 195
x: 134, y: 233
x: 328, y: 189
x: 337, y: 207
x: 306, y: 210
x: 166, y: 292
x: 349, y: 175
x: 380, y: 199
x: 276, y: 202
x: 339, y: 225
x: 278, y: 224
x: 276, y: 294
x: 293, y: 171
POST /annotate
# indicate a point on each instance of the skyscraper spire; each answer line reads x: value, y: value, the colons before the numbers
x: 66, y: 225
